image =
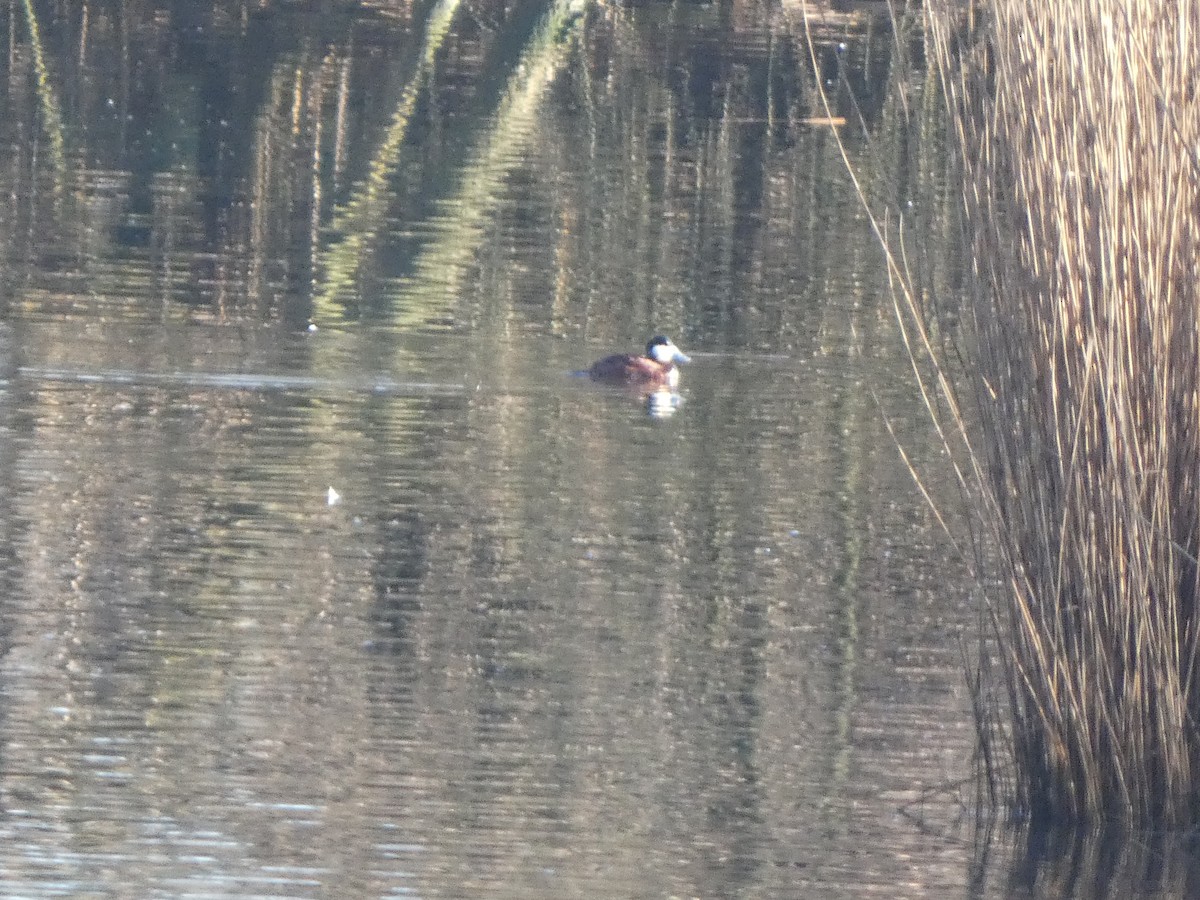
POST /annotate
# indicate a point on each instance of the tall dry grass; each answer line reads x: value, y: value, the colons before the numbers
x: 1079, y: 129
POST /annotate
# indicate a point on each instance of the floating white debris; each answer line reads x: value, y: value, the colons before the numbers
x: 332, y: 497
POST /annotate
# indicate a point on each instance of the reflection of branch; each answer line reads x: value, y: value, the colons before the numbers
x: 51, y: 118
x: 458, y: 230
x: 359, y: 219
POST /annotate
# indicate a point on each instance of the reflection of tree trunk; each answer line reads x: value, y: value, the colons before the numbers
x: 191, y: 18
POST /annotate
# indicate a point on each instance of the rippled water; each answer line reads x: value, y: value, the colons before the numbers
x: 538, y: 644
x: 323, y: 573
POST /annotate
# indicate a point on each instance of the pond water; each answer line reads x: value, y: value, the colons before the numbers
x: 323, y: 573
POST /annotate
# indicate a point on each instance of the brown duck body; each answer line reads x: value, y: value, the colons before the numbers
x: 656, y: 369
x: 625, y: 368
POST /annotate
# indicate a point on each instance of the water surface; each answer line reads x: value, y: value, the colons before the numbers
x: 324, y: 576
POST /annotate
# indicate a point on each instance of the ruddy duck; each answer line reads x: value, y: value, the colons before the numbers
x: 656, y: 369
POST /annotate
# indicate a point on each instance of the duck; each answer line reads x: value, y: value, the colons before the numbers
x: 657, y: 369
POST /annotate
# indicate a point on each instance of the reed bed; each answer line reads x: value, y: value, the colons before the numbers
x: 1079, y: 129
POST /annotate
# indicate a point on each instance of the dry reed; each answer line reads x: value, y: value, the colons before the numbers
x: 1079, y: 129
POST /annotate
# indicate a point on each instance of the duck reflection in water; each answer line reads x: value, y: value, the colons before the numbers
x: 655, y: 375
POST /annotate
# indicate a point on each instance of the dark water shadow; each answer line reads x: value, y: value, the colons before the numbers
x: 1080, y: 862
